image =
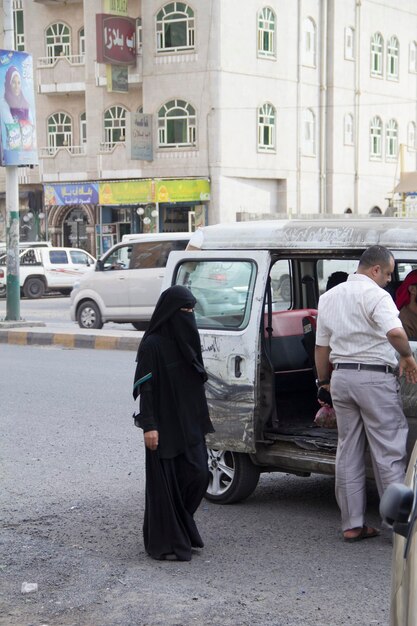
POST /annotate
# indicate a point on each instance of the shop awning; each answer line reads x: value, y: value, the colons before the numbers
x: 407, y: 184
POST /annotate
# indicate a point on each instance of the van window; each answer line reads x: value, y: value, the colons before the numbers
x: 154, y: 253
x: 223, y: 290
x: 118, y: 259
x: 330, y: 272
x: 281, y: 283
x: 58, y: 256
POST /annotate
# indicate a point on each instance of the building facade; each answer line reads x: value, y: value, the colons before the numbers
x: 224, y: 111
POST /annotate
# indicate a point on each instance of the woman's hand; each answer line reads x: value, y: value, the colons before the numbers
x: 151, y: 439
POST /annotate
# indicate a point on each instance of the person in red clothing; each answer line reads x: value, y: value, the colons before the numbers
x: 405, y: 299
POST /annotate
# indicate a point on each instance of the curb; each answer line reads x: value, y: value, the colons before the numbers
x: 29, y: 338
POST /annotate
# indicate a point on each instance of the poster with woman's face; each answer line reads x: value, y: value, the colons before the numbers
x: 17, y: 109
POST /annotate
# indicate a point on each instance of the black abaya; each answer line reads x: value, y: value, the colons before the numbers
x: 170, y: 379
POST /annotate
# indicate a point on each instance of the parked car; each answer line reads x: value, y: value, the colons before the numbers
x: 127, y: 281
x: 399, y: 508
x: 45, y: 269
x: 258, y: 343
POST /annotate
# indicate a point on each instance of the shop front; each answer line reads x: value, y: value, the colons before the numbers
x: 96, y: 215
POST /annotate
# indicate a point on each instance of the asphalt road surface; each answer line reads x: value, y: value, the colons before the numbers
x: 72, y: 499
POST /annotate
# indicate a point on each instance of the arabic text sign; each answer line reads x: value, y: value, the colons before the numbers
x: 141, y: 137
x: 17, y: 109
x: 130, y: 192
x: 183, y: 190
x: 117, y: 7
x: 59, y: 195
x: 116, y: 39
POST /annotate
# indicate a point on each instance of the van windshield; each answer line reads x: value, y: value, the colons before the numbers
x: 223, y: 290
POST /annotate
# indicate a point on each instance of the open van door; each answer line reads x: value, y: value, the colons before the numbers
x: 230, y: 289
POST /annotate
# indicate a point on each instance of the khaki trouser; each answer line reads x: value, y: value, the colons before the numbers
x: 368, y: 406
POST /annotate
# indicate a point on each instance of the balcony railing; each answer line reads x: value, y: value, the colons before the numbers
x: 63, y: 74
x: 51, y: 151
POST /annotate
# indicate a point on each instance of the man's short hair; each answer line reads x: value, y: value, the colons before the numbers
x: 376, y: 255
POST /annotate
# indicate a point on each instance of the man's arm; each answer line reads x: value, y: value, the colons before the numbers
x: 321, y: 357
x: 399, y: 341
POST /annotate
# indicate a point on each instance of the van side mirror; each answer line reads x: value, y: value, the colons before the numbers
x: 99, y: 265
x: 395, y: 507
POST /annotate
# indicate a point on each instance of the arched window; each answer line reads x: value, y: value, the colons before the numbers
x: 412, y: 57
x: 377, y: 50
x: 266, y: 32
x: 411, y: 137
x: 81, y: 43
x: 266, y: 127
x: 176, y: 124
x: 309, y: 133
x: 376, y: 138
x: 391, y: 140
x: 58, y: 41
x: 175, y: 27
x: 309, y: 42
x: 59, y: 131
x: 348, y: 130
x: 349, y: 43
x: 114, y: 125
x: 83, y: 128
x: 393, y: 51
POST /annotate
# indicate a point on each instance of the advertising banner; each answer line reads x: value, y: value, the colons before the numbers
x: 71, y: 193
x: 116, y: 39
x: 141, y: 137
x: 117, y: 78
x: 17, y: 109
x: 182, y: 190
x: 125, y: 193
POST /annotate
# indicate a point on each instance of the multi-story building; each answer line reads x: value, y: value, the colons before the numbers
x: 230, y: 109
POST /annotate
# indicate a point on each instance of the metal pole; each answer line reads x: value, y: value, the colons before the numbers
x: 12, y: 200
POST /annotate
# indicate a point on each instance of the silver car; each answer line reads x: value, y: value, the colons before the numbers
x: 399, y: 508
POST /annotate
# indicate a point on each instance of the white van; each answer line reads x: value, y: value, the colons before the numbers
x: 258, y: 339
x: 127, y: 281
x: 45, y: 268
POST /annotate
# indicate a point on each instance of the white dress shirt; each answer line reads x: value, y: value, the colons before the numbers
x: 354, y: 319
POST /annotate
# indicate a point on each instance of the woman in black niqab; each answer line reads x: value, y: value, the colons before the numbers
x: 169, y: 381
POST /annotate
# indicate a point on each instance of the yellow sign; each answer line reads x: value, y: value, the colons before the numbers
x: 182, y: 190
x: 115, y: 7
x: 131, y: 192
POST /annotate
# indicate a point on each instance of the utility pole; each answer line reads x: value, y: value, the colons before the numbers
x: 12, y: 200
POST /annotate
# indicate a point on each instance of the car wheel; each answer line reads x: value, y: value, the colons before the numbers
x: 233, y: 476
x: 88, y: 315
x: 34, y: 288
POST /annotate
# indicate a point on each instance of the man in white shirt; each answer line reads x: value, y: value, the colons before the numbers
x: 358, y: 332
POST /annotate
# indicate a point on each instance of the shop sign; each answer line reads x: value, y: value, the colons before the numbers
x: 17, y: 109
x: 182, y: 190
x: 116, y: 39
x: 141, y: 137
x: 117, y: 7
x: 124, y: 193
x: 72, y: 193
x: 117, y: 78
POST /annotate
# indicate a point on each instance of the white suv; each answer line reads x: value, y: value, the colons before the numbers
x: 127, y: 281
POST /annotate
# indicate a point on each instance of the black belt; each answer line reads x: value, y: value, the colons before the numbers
x: 364, y: 366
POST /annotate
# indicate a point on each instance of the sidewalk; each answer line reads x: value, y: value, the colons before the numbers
x: 69, y: 335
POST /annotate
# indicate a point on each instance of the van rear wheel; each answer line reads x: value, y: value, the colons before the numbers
x: 88, y: 315
x: 233, y: 476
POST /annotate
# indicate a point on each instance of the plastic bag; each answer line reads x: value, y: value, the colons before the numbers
x: 325, y: 417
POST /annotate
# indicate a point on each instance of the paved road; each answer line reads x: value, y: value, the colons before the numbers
x: 72, y: 501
